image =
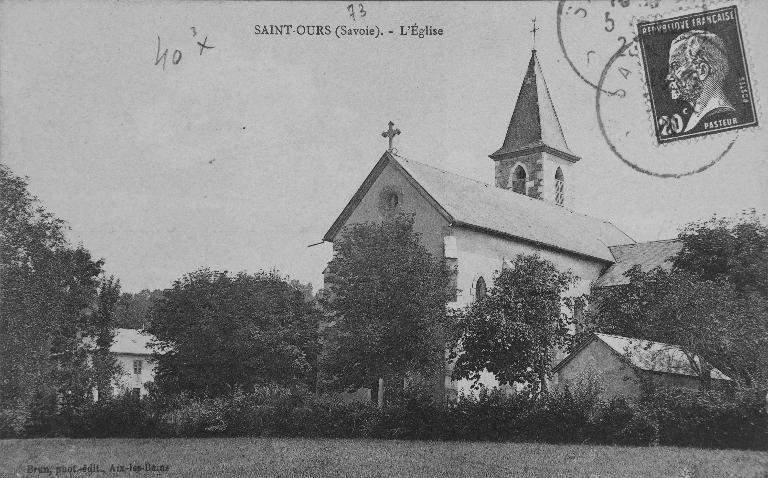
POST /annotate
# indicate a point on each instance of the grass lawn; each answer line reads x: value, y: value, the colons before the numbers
x: 322, y: 457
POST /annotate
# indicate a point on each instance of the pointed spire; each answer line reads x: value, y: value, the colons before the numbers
x: 534, y: 125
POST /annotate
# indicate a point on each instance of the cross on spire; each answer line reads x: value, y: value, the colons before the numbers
x: 534, y: 30
x: 390, y: 133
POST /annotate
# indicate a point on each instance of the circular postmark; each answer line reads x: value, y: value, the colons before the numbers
x: 599, y: 41
x: 610, y: 26
x: 627, y: 128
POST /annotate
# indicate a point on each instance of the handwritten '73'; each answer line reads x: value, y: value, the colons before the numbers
x: 176, y: 56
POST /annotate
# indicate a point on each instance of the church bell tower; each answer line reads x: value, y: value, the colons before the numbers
x: 534, y: 159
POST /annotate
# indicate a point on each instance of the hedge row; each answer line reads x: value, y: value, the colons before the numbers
x: 668, y: 417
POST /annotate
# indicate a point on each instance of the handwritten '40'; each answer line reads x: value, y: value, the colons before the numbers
x: 177, y: 55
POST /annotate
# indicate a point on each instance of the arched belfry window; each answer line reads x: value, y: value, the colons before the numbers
x: 559, y: 187
x: 518, y: 180
x: 480, y: 289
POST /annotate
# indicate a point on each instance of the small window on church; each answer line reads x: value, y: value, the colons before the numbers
x: 559, y: 187
x: 578, y: 318
x: 389, y: 200
x: 480, y: 289
x: 518, y: 180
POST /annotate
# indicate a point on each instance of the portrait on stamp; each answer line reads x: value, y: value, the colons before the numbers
x: 696, y: 74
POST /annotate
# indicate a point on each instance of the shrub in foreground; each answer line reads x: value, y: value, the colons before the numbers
x: 330, y: 417
x: 665, y: 416
x: 123, y: 416
x: 709, y: 419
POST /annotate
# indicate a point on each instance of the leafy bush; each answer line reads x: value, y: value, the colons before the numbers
x: 121, y: 416
x: 410, y: 414
x: 194, y: 417
x: 267, y: 411
x: 641, y: 429
x: 329, y: 416
x: 616, y: 422
x: 670, y: 416
x: 491, y: 415
x: 12, y: 421
x: 45, y: 418
x: 556, y: 418
x: 711, y: 419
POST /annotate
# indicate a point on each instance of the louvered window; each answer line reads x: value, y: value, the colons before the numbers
x: 559, y: 187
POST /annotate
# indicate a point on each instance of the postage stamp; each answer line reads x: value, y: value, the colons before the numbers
x: 696, y: 74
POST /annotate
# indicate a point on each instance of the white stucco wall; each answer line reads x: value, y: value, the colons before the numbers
x: 428, y: 222
x: 480, y: 254
x: 128, y: 380
x: 549, y: 164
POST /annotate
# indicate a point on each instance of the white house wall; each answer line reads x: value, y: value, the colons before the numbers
x: 128, y: 380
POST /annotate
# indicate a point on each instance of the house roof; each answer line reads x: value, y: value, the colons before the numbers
x: 647, y: 255
x: 534, y: 124
x: 646, y: 355
x: 131, y: 341
x: 476, y: 205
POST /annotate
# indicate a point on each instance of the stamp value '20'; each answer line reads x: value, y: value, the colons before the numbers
x: 696, y: 74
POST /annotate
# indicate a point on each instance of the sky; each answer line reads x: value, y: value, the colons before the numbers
x: 239, y: 157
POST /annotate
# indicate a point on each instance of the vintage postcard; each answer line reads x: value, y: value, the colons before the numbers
x: 383, y: 238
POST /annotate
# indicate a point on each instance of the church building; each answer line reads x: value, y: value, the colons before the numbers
x: 478, y: 227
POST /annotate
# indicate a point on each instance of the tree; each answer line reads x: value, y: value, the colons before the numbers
x: 47, y: 299
x: 713, y: 302
x: 132, y: 310
x: 711, y: 320
x: 513, y: 331
x: 104, y: 363
x: 623, y: 309
x: 386, y: 307
x: 219, y: 333
x: 735, y: 249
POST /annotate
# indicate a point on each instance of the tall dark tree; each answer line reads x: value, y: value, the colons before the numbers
x: 713, y: 302
x: 47, y: 295
x: 132, y: 310
x: 513, y: 331
x: 386, y: 307
x: 734, y: 249
x: 105, y: 363
x: 219, y: 333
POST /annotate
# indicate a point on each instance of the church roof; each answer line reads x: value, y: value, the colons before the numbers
x: 647, y: 355
x: 534, y: 125
x: 647, y: 255
x: 476, y: 205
